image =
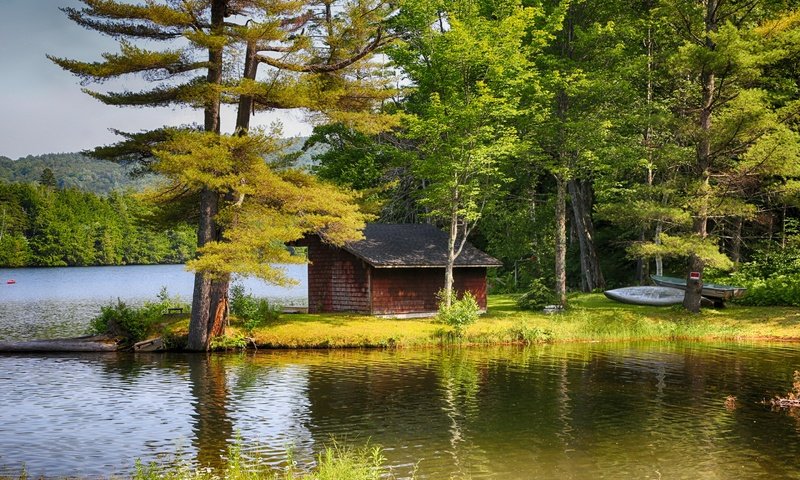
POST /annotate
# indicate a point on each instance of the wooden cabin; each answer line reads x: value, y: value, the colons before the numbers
x: 395, y: 271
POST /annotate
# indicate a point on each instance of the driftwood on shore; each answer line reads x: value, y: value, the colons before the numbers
x: 91, y: 343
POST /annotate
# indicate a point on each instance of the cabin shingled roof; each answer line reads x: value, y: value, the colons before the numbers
x: 412, y: 245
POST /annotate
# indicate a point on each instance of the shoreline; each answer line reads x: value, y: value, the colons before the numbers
x: 589, y: 318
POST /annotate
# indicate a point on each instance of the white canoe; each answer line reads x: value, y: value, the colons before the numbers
x: 656, y: 296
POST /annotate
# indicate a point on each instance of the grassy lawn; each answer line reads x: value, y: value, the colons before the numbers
x: 590, y: 317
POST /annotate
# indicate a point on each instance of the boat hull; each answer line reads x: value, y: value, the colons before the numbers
x: 653, y: 296
x: 710, y: 290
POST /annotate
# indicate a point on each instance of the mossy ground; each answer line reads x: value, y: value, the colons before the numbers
x: 590, y: 317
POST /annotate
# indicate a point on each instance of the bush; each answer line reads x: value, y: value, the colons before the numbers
x: 461, y: 313
x: 522, y: 332
x: 134, y: 324
x: 773, y: 291
x: 537, y: 297
x: 253, y: 312
x: 772, y: 277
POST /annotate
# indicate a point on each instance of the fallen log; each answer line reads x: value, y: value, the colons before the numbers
x: 90, y: 343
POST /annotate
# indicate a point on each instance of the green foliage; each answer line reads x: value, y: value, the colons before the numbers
x: 772, y: 277
x: 461, y: 313
x: 252, y: 312
x: 773, y: 291
x: 523, y: 332
x: 73, y: 170
x: 336, y: 461
x: 273, y: 205
x: 134, y: 324
x: 537, y: 297
x: 41, y: 226
x: 683, y: 246
x: 229, y: 342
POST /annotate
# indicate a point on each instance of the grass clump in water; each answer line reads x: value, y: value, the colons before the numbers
x: 336, y: 462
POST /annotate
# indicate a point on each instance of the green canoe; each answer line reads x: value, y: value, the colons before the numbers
x: 710, y: 290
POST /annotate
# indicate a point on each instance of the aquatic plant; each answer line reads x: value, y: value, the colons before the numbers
x: 336, y: 462
x: 792, y: 399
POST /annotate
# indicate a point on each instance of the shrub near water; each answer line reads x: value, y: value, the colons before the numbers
x: 134, y: 324
x: 537, y: 297
x: 253, y: 312
x: 772, y: 278
x: 461, y: 313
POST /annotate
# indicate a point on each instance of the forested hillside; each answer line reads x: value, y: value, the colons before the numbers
x: 73, y: 170
x: 76, y: 170
x: 50, y: 227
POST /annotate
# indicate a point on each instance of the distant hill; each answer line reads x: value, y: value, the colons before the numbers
x: 75, y: 170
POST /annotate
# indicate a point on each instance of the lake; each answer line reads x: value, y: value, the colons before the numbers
x: 582, y: 411
x: 60, y: 302
x: 577, y: 411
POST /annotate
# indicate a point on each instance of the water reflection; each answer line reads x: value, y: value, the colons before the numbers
x: 576, y: 411
x: 212, y: 427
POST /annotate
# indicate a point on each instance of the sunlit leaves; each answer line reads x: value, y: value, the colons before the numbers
x: 264, y: 207
x: 681, y: 247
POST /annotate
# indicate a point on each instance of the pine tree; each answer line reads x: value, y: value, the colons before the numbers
x: 318, y: 57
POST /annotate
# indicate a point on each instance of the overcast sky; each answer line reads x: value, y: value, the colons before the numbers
x: 42, y: 108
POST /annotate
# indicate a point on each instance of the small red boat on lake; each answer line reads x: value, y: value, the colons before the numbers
x: 11, y: 282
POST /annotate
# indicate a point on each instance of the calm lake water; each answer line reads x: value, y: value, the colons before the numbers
x: 60, y: 302
x: 644, y: 410
x: 562, y: 411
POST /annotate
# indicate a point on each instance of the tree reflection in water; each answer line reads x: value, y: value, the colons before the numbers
x: 211, y: 424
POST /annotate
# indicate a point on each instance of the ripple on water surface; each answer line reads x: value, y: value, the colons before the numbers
x: 575, y: 411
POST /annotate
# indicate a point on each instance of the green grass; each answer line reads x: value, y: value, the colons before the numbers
x: 589, y: 318
x: 336, y: 462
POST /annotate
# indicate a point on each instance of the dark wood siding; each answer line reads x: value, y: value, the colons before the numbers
x: 340, y: 282
x: 337, y: 281
x: 472, y: 280
x: 413, y: 290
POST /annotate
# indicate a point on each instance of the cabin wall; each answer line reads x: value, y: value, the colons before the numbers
x: 337, y: 280
x: 413, y: 290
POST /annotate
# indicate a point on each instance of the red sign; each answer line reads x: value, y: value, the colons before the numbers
x: 694, y: 275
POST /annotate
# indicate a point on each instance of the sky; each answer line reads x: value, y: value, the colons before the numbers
x: 42, y: 108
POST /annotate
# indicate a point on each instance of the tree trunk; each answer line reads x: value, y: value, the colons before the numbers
x: 580, y: 193
x: 205, y: 297
x: 691, y: 300
x: 209, y: 294
x: 561, y: 241
x: 736, y: 243
x: 451, y: 256
x: 659, y: 259
x: 700, y: 224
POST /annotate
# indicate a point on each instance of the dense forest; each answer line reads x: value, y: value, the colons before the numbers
x: 49, y: 227
x: 590, y: 144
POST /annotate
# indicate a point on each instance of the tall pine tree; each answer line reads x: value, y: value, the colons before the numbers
x: 318, y: 57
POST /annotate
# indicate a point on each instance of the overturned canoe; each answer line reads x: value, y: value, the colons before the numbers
x: 655, y: 296
x: 710, y: 290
